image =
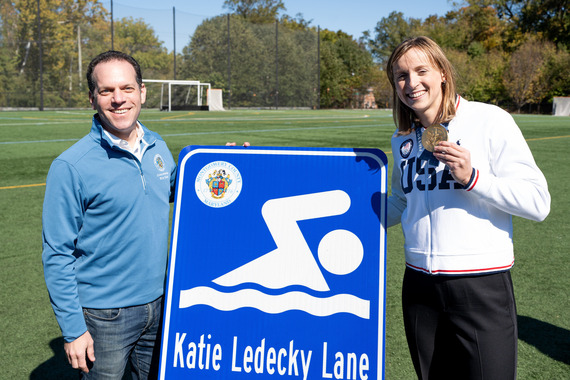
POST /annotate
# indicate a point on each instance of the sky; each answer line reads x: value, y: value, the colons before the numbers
x: 350, y: 16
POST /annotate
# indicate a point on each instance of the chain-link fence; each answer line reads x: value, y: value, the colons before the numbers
x: 44, y: 55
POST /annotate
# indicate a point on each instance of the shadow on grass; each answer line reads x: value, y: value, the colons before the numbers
x: 57, y: 368
x: 549, y: 339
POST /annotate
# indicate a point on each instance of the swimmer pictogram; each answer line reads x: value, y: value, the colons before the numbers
x: 292, y: 263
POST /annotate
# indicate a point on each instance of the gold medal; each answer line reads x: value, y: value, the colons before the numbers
x: 433, y: 135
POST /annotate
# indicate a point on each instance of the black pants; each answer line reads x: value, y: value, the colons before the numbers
x: 461, y: 327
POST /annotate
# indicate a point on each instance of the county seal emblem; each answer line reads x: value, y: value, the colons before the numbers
x: 218, y: 182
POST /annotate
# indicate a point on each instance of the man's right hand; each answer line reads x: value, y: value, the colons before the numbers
x: 79, y: 350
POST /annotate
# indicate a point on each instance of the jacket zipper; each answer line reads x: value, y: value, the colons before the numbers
x: 143, y: 179
x: 138, y: 165
x: 428, y: 208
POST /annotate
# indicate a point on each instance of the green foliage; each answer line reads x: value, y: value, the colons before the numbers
x: 61, y: 23
x: 256, y: 11
x: 295, y: 23
x: 137, y: 38
x: 487, y: 41
x: 259, y: 68
x: 548, y: 18
x: 347, y: 70
x: 479, y: 76
x: 481, y: 38
x: 557, y: 68
x: 390, y: 31
x: 71, y: 30
x: 478, y: 22
x: 333, y: 77
x: 526, y: 78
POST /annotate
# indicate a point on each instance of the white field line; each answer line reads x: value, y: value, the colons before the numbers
x: 218, y: 132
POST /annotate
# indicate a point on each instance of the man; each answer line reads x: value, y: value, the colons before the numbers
x: 105, y: 229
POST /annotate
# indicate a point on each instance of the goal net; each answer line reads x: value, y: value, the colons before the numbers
x: 215, y: 102
x: 561, y: 106
x: 176, y: 95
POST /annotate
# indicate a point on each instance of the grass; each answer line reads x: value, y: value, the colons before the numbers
x: 29, y: 141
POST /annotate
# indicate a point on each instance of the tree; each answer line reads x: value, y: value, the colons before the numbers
x: 254, y: 71
x: 138, y: 39
x: 60, y: 20
x: 205, y: 57
x: 549, y: 19
x: 8, y: 28
x: 72, y: 32
x: 347, y: 70
x: 297, y: 66
x: 476, y: 23
x: 295, y: 23
x: 479, y: 76
x: 524, y: 78
x: 557, y: 68
x: 256, y: 11
x: 390, y: 31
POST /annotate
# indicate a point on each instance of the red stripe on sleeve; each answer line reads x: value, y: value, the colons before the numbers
x: 474, y: 182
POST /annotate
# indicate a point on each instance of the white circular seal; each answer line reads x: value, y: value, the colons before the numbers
x: 218, y: 184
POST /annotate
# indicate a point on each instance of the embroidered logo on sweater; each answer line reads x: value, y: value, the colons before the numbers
x: 406, y: 148
x: 159, y: 163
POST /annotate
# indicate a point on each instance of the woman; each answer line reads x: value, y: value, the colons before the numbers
x: 461, y: 170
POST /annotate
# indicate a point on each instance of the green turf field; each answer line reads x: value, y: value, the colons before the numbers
x: 30, y: 340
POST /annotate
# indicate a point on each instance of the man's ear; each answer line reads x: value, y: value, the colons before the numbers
x: 92, y: 99
x: 143, y: 93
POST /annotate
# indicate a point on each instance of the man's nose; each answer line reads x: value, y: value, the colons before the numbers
x: 118, y: 96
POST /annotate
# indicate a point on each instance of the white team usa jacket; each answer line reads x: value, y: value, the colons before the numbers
x: 454, y: 230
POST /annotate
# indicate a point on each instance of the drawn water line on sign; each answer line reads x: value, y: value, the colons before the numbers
x: 292, y: 263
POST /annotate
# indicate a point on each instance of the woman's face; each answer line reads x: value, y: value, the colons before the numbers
x: 418, y: 85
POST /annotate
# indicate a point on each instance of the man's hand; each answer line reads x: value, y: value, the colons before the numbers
x: 79, y: 350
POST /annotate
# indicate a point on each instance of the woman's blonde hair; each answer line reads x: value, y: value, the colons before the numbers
x: 404, y: 117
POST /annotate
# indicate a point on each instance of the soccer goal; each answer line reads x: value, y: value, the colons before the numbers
x: 176, y: 95
x: 215, y: 102
x: 561, y: 106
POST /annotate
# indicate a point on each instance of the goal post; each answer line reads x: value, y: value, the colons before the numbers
x: 181, y: 94
x: 215, y: 102
x: 561, y: 106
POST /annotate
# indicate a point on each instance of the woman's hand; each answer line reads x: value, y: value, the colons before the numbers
x: 457, y: 159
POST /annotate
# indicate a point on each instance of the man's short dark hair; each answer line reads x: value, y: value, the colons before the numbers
x: 111, y: 55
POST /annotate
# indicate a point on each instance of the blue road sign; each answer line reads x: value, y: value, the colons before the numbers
x: 277, y: 265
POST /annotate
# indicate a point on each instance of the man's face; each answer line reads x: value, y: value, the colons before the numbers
x: 117, y: 97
